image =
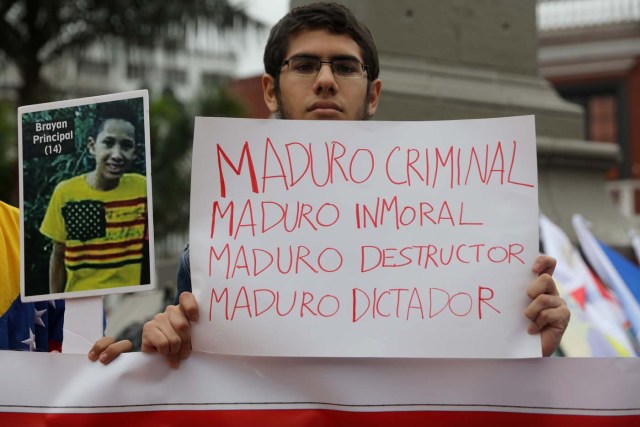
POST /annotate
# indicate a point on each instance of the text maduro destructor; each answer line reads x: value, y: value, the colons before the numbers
x: 249, y: 261
x: 384, y: 239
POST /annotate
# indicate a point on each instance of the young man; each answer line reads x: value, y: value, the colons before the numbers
x: 23, y: 326
x: 97, y: 221
x: 322, y: 64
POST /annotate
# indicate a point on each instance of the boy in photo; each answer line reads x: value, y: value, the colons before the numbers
x: 97, y: 221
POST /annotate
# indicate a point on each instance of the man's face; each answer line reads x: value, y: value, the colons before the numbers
x: 321, y: 96
x: 114, y: 149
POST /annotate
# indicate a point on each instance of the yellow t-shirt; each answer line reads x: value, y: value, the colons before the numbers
x: 103, y: 231
x: 9, y: 256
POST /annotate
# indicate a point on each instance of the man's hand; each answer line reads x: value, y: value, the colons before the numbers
x: 169, y: 333
x: 107, y: 348
x: 548, y: 312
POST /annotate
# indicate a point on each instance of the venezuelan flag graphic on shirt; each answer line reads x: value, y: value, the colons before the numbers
x: 103, y: 231
x: 23, y: 326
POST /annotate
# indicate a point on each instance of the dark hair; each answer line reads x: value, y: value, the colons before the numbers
x: 333, y: 17
x: 113, y: 110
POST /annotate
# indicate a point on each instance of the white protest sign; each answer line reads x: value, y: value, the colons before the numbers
x: 364, y: 239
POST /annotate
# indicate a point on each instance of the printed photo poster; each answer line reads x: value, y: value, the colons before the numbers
x: 364, y: 239
x: 85, y: 197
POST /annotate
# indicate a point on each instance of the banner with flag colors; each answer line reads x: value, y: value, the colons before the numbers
x: 142, y: 390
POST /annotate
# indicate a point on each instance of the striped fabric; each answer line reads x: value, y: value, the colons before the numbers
x: 103, y: 231
x: 213, y: 390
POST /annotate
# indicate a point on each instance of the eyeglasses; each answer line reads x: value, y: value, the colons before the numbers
x: 347, y: 68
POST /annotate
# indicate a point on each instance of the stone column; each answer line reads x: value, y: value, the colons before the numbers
x: 466, y: 59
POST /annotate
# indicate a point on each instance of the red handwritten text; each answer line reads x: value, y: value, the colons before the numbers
x: 418, y: 303
x: 420, y: 214
x: 425, y: 256
x: 454, y: 167
x: 292, y: 259
x: 260, y: 302
x: 296, y: 163
x: 260, y: 217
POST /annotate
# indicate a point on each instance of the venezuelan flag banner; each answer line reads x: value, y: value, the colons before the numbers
x: 624, y: 279
x: 628, y: 271
x: 142, y: 390
x: 597, y: 326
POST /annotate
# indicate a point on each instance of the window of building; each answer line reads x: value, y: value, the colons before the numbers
x: 93, y: 67
x: 210, y: 80
x: 604, y: 118
x: 176, y: 76
x: 136, y: 71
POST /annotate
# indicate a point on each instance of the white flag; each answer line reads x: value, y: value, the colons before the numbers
x: 607, y: 272
x: 597, y: 323
x: 635, y: 243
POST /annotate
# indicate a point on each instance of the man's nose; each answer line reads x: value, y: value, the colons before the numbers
x: 325, y: 80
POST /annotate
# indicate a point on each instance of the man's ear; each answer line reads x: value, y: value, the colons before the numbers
x: 374, y: 97
x: 269, y: 92
x: 91, y: 146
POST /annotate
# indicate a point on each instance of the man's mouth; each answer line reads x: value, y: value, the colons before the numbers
x: 324, y: 107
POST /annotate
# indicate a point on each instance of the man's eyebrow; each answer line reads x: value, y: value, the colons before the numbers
x: 332, y: 58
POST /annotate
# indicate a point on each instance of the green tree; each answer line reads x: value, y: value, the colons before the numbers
x: 171, y: 144
x: 171, y: 138
x: 8, y: 150
x: 35, y: 32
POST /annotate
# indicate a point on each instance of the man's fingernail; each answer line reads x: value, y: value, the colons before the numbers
x: 103, y: 357
x: 92, y: 355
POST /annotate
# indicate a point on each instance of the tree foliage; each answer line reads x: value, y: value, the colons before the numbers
x: 33, y: 33
x: 8, y: 150
x: 36, y: 32
x: 171, y: 144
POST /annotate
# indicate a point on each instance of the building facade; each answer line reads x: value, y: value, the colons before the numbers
x: 590, y: 51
